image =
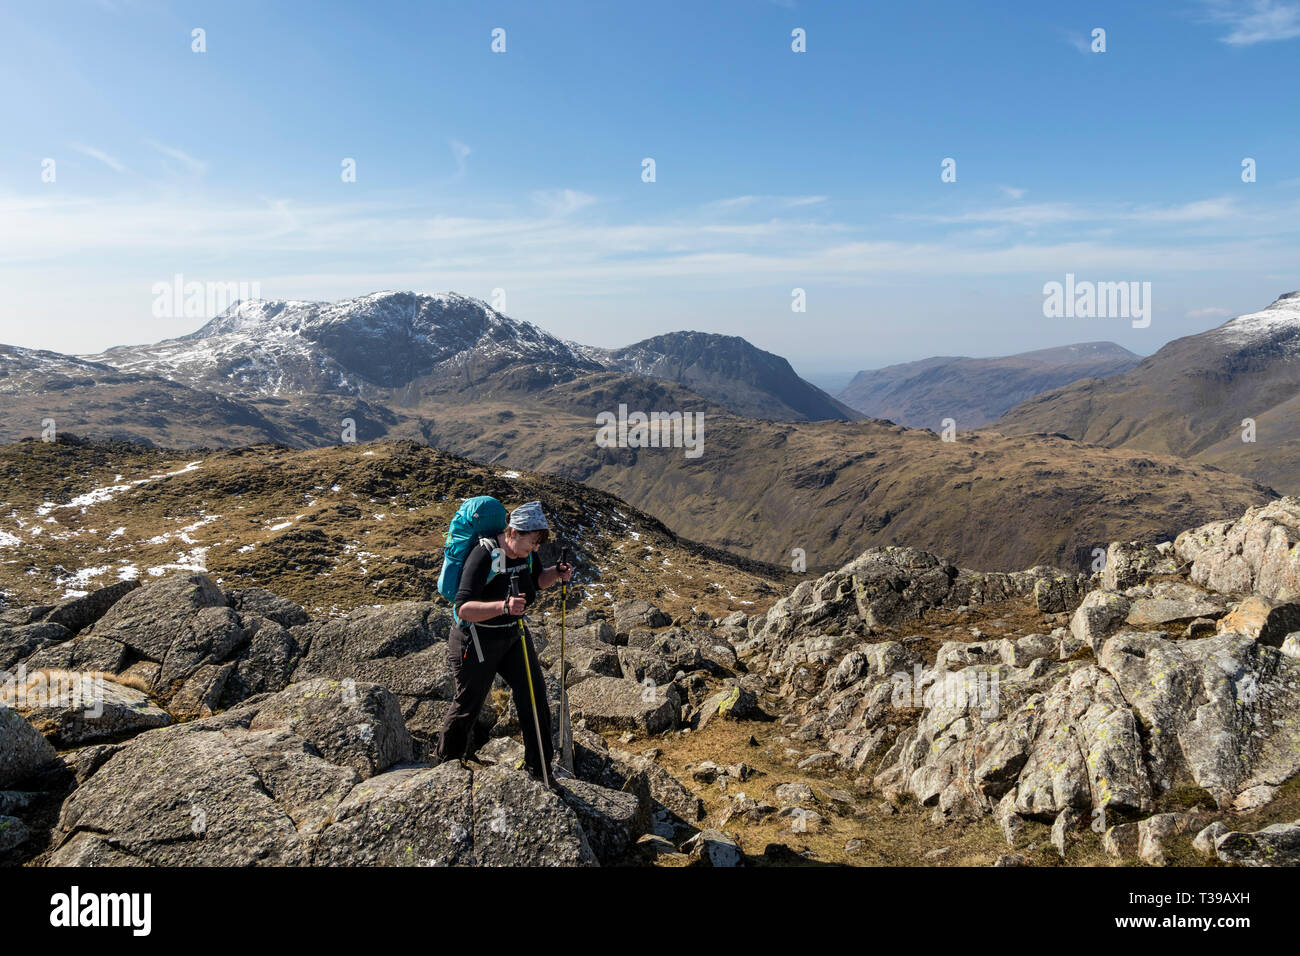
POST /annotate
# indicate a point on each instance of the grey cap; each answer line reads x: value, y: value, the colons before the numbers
x: 529, y: 517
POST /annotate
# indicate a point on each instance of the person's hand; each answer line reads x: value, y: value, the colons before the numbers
x: 515, y: 605
x: 565, y: 571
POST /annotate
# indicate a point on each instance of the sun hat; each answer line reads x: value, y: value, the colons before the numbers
x: 529, y: 517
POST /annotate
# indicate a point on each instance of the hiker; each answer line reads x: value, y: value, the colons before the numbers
x: 485, y: 640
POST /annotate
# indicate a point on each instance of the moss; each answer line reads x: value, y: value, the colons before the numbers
x: 1185, y: 797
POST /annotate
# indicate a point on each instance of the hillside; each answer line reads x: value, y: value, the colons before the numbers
x: 762, y: 489
x: 728, y: 370
x: 975, y: 391
x: 333, y: 529
x: 1191, y: 397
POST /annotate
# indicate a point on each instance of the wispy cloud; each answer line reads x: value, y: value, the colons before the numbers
x: 404, y: 241
x: 196, y: 167
x: 1255, y: 21
x: 741, y: 202
x: 1041, y: 214
x: 1081, y: 44
x: 100, y: 155
x: 1013, y: 192
x: 560, y: 202
x: 1212, y: 312
x: 460, y: 151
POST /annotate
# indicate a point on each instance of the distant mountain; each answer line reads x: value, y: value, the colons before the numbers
x: 453, y: 373
x: 728, y: 370
x: 388, y: 345
x: 356, y: 346
x: 975, y: 391
x: 33, y: 370
x: 1191, y: 398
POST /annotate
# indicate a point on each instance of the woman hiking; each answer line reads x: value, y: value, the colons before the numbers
x: 492, y: 646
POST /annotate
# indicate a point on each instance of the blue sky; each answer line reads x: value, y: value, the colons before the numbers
x: 775, y: 170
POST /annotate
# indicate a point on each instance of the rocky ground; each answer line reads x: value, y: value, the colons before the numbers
x: 897, y: 710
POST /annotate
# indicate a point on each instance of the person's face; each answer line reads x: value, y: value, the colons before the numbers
x: 524, y: 542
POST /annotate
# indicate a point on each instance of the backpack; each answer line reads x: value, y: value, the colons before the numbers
x: 478, y: 521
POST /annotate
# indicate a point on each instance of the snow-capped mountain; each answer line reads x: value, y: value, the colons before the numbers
x: 1276, y: 326
x: 1229, y: 396
x: 27, y: 369
x: 355, y: 346
x: 374, y: 344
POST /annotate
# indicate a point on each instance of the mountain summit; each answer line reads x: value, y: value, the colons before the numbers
x: 384, y: 340
x: 374, y: 344
x: 730, y: 371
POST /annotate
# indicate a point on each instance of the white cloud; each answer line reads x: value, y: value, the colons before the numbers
x: 1039, y: 214
x: 1255, y: 21
x: 1081, y: 43
x: 63, y: 256
x: 743, y: 202
x: 1013, y: 192
x: 100, y: 155
x: 558, y: 203
x: 196, y: 167
x: 1213, y: 312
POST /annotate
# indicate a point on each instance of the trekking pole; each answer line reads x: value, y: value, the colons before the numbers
x: 566, y: 729
x: 532, y: 696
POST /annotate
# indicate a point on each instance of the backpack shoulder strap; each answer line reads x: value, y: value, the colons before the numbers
x: 489, y: 545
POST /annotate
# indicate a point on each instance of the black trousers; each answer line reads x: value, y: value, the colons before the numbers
x: 502, y: 654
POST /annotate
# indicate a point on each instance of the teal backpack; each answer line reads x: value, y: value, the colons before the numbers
x: 481, y: 517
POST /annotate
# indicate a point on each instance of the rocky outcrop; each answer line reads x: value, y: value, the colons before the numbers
x: 248, y: 733
x: 316, y: 774
x: 1263, y: 620
x: 72, y: 709
x: 1143, y: 695
x: 23, y: 750
x: 885, y: 588
x: 1256, y: 554
x: 402, y: 646
x: 1099, y: 615
x: 299, y: 742
x: 1276, y: 845
x: 629, y: 615
x: 1132, y: 563
x: 180, y: 639
x: 1219, y: 711
x: 611, y: 703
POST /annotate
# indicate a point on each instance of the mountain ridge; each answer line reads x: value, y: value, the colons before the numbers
x: 1192, y: 398
x: 975, y: 391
